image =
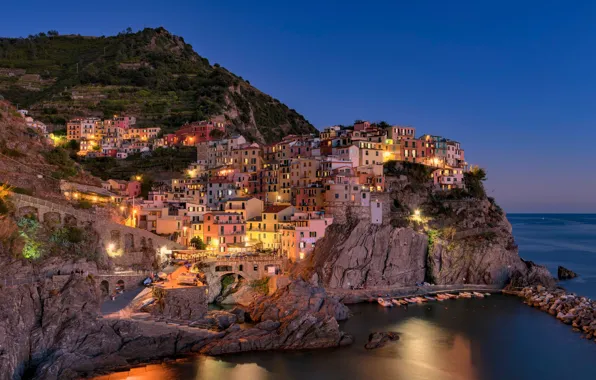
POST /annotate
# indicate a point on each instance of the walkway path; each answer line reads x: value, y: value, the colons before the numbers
x: 120, y: 302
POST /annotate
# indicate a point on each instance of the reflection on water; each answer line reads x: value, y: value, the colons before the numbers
x: 451, y: 353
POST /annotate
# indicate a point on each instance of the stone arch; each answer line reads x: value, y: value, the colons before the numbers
x: 240, y: 267
x: 143, y: 242
x: 52, y: 219
x: 129, y: 242
x: 104, y: 287
x: 70, y: 220
x: 28, y: 211
x: 120, y: 285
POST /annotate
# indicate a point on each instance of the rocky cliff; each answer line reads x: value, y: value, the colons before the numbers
x: 51, y: 329
x: 441, y: 237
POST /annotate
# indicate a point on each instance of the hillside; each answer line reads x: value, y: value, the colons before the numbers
x: 29, y: 164
x: 151, y: 74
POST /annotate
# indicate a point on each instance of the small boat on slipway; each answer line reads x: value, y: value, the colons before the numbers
x: 384, y: 302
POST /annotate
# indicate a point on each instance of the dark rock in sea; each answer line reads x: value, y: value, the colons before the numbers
x: 565, y: 274
x: 531, y: 275
x: 380, y: 339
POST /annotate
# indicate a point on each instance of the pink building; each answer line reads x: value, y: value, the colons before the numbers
x: 449, y: 178
x: 223, y: 230
x: 123, y: 122
x: 298, y: 237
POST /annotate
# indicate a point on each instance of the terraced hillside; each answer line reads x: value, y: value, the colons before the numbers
x: 150, y: 74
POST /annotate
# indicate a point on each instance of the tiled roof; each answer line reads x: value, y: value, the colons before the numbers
x: 275, y: 209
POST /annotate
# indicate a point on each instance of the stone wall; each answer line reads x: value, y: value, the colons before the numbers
x: 183, y: 303
x: 125, y: 245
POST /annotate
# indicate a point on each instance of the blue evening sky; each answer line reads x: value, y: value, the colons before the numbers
x: 514, y: 81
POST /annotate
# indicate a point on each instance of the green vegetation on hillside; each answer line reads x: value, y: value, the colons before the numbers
x: 150, y: 74
x: 161, y: 159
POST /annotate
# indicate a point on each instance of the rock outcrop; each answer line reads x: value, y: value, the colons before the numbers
x: 565, y: 274
x: 367, y: 255
x: 295, y: 317
x: 52, y: 330
x: 456, y: 238
x: 380, y: 339
x: 298, y: 297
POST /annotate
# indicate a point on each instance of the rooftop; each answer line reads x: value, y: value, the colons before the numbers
x: 275, y: 209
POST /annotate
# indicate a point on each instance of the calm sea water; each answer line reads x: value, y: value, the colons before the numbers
x: 494, y: 338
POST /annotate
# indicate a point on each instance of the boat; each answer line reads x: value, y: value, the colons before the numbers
x: 450, y: 295
x: 384, y: 303
x: 429, y: 298
x: 410, y: 300
x: 478, y: 295
x: 487, y: 294
x: 397, y: 302
x: 465, y: 295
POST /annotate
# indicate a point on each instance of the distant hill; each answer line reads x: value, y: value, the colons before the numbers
x: 151, y: 74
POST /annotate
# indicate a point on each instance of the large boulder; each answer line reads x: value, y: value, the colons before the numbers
x: 380, y: 339
x: 565, y: 274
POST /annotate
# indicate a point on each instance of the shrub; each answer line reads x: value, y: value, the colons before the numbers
x: 83, y: 204
x: 473, y: 180
x: 197, y: 243
x: 261, y: 286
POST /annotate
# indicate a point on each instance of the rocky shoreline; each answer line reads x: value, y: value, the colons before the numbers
x: 569, y: 308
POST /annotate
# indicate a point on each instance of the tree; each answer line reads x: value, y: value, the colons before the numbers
x: 197, y: 242
x: 53, y: 33
x: 216, y: 134
x: 473, y: 180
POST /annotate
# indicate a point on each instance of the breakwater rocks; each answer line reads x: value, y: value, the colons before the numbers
x: 571, y: 309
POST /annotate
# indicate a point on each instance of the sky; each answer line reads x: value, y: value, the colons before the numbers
x: 513, y: 81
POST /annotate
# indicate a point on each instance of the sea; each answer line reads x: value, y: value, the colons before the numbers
x: 497, y: 338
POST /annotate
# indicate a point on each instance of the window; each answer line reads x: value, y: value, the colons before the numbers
x: 255, y: 267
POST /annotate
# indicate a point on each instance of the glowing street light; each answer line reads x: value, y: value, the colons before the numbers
x: 111, y: 246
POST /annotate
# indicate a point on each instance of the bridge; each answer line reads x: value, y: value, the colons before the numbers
x: 253, y: 268
x: 125, y: 245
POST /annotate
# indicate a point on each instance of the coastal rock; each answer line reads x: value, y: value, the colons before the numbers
x: 297, y: 297
x: 579, y: 312
x: 565, y: 274
x: 367, y: 255
x: 295, y: 331
x: 218, y: 320
x: 244, y: 295
x: 296, y: 316
x: 380, y: 339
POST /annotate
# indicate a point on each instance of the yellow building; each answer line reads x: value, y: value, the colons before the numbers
x: 265, y: 231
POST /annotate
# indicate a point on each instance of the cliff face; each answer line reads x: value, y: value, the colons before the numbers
x: 367, y: 255
x: 458, y: 238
